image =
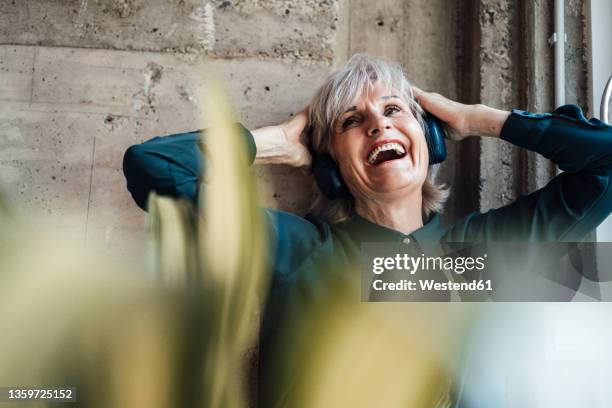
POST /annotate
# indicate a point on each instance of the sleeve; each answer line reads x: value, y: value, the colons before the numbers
x: 573, y: 203
x: 170, y: 165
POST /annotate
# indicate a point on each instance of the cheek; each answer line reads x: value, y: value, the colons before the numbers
x: 347, y: 157
x: 339, y: 153
x: 414, y: 128
x: 347, y: 163
x: 335, y: 146
x: 346, y: 149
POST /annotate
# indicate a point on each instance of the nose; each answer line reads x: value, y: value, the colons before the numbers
x: 378, y: 126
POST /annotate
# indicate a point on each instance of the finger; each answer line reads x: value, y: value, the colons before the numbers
x: 434, y: 103
x: 425, y: 100
x: 306, y: 162
x: 416, y: 91
x: 301, y: 118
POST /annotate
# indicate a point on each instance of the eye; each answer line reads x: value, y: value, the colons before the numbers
x: 391, y: 109
x: 350, y: 121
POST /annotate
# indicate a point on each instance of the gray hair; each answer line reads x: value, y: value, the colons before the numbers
x: 340, y: 91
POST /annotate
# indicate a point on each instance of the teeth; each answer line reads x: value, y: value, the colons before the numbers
x: 399, y: 149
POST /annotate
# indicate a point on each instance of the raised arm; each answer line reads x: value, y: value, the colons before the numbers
x: 172, y: 165
x: 572, y: 204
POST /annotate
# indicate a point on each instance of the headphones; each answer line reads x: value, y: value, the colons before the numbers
x: 327, y: 173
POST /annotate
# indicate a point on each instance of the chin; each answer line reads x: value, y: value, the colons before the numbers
x: 394, y: 183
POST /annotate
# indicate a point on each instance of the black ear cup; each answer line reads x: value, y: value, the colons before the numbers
x: 328, y: 177
x: 435, y: 139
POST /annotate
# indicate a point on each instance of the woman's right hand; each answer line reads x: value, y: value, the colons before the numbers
x: 293, y: 131
x: 283, y: 144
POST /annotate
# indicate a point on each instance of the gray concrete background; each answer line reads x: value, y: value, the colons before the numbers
x: 81, y: 80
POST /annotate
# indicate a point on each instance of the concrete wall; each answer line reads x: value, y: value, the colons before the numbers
x: 516, y: 66
x: 82, y: 80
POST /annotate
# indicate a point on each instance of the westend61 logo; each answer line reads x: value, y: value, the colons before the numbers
x: 411, y: 264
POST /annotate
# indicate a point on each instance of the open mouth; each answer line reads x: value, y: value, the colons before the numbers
x: 385, y: 151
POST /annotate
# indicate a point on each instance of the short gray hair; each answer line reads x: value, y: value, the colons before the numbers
x: 339, y: 92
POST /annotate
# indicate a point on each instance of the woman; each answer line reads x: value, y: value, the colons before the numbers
x: 369, y: 119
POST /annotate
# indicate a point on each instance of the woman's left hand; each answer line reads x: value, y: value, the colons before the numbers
x: 462, y: 120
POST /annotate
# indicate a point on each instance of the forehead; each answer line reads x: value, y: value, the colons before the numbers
x: 378, y: 89
x: 376, y: 94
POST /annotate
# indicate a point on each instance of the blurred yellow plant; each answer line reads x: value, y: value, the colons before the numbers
x: 179, y: 336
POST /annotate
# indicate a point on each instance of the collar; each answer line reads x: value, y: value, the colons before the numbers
x: 362, y: 230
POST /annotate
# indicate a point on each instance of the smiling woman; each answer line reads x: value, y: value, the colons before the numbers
x: 369, y: 119
x: 366, y: 118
